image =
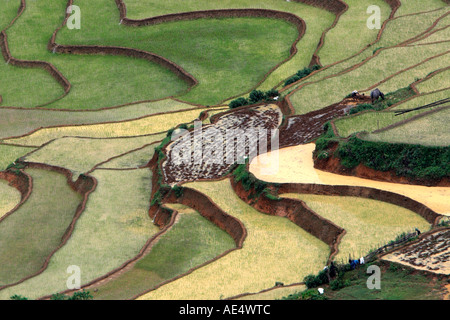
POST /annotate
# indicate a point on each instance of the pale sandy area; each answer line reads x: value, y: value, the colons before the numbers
x: 295, y: 165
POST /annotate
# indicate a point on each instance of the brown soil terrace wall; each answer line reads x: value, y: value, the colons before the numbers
x: 297, y: 212
x: 84, y: 185
x: 224, y: 13
x: 20, y: 181
x: 208, y: 209
x: 52, y: 46
x: 32, y: 64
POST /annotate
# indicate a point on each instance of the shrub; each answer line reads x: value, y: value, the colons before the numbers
x: 256, y: 96
x: 272, y: 93
x: 312, y: 281
x: 361, y: 107
x: 178, y: 191
x: 18, y: 297
x: 339, y: 283
x: 83, y: 295
x: 312, y: 295
x: 58, y: 296
x: 414, y: 161
x: 301, y: 74
x: 239, y: 102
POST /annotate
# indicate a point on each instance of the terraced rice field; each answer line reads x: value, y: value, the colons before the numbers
x: 88, y: 153
x: 113, y: 228
x: 429, y: 131
x: 10, y: 197
x: 139, y: 127
x: 190, y: 242
x: 18, y: 122
x: 268, y: 255
x: 86, y: 115
x: 369, y: 224
x: 30, y: 235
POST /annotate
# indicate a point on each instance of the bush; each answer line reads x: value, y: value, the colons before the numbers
x: 413, y: 161
x: 312, y: 281
x: 301, y: 74
x: 58, y: 296
x: 18, y: 297
x: 239, y: 102
x: 178, y: 191
x: 323, y: 155
x: 272, y: 93
x: 339, y: 283
x: 83, y: 295
x: 361, y: 107
x: 312, y: 295
x: 256, y: 96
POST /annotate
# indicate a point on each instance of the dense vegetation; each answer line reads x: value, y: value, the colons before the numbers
x: 255, y: 96
x: 407, y: 160
x: 301, y: 74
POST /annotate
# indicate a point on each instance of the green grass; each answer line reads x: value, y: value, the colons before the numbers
x: 431, y: 130
x: 227, y: 56
x: 306, y: 47
x: 9, y: 11
x: 191, y: 241
x: 396, y: 284
x: 275, y: 249
x: 369, y: 224
x: 97, y: 81
x: 30, y: 234
x: 332, y: 90
x: 132, y: 160
x: 16, y: 122
x: 437, y: 82
x: 23, y: 87
x: 80, y: 154
x: 414, y: 6
x: 8, y: 154
x: 112, y: 229
x: 351, y: 34
x: 403, y: 28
